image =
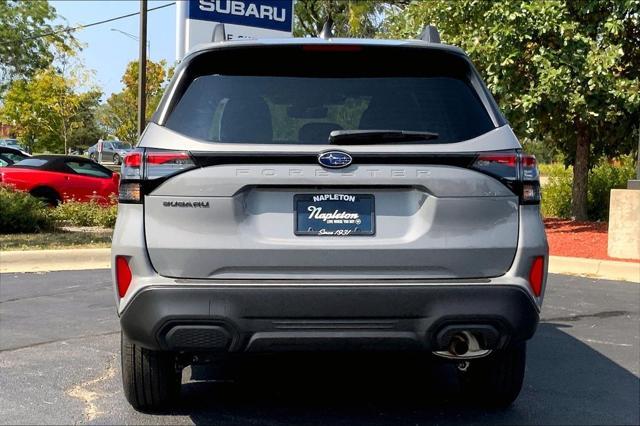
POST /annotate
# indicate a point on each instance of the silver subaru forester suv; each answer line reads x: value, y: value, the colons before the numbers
x: 328, y: 195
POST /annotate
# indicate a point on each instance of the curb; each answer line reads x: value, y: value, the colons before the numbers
x: 54, y: 260
x: 595, y: 268
x: 80, y: 259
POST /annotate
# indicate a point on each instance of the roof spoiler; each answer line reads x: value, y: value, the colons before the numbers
x: 430, y: 34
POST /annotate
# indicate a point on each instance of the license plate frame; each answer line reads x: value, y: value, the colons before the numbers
x: 340, y: 207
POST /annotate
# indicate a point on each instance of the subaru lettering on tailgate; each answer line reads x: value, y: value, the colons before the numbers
x: 270, y: 14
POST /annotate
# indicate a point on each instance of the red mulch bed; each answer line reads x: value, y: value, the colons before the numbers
x: 578, y: 239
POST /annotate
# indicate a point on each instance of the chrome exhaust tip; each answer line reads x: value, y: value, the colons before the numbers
x: 463, y: 345
x: 459, y: 344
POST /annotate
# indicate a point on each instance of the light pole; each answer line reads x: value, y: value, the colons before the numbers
x: 136, y: 38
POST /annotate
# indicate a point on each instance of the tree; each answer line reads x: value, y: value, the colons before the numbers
x: 351, y: 18
x: 87, y: 132
x: 27, y: 39
x: 46, y: 108
x: 119, y: 115
x: 566, y: 71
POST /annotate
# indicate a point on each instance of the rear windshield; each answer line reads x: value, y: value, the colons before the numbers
x: 289, y: 106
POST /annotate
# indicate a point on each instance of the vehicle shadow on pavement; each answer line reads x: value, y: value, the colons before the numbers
x: 567, y: 382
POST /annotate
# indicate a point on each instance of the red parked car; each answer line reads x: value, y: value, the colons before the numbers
x: 58, y: 178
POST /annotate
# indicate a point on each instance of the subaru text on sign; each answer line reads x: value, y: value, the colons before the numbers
x: 197, y: 21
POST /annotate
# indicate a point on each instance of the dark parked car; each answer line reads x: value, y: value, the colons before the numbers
x: 8, y: 156
x: 12, y: 143
x: 112, y: 151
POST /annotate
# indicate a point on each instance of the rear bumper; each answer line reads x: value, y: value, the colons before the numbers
x: 311, y: 318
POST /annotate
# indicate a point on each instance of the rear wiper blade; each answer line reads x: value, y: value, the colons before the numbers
x: 366, y: 137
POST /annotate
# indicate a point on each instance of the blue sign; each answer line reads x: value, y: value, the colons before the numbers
x: 269, y: 14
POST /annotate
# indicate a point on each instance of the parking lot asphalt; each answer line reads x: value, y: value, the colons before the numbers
x: 59, y: 363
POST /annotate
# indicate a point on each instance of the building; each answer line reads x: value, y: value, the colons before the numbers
x: 6, y: 131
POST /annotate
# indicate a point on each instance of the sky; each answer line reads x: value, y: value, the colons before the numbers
x: 108, y: 52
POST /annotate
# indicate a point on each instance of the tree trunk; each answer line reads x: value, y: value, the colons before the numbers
x: 580, y: 175
x: 64, y: 136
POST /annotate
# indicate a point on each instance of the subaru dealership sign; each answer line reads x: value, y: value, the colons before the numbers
x: 197, y: 20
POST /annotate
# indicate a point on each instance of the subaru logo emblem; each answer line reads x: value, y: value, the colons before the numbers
x: 334, y: 159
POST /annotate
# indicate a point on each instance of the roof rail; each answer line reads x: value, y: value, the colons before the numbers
x: 219, y: 33
x: 327, y: 29
x: 430, y: 34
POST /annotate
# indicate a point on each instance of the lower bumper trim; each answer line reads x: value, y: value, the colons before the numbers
x: 336, y: 318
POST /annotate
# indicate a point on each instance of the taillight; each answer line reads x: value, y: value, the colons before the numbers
x: 160, y: 164
x: 536, y: 275
x: 530, y: 180
x: 131, y: 168
x: 123, y: 275
x: 517, y: 171
x: 503, y: 166
x: 148, y: 165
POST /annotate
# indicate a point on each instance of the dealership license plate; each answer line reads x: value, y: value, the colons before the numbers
x: 334, y: 214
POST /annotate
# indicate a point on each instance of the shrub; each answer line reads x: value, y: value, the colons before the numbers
x: 544, y: 152
x: 22, y: 213
x: 75, y: 213
x: 605, y: 176
x: 556, y: 194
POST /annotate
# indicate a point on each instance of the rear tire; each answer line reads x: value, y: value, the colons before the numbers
x: 47, y: 196
x: 496, y: 381
x: 150, y: 379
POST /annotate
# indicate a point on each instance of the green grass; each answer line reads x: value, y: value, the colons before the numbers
x: 55, y: 240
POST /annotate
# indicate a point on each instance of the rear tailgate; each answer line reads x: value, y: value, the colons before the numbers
x: 256, y: 133
x: 239, y: 221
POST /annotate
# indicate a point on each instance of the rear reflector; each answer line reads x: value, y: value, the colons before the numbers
x: 123, y: 275
x: 536, y: 275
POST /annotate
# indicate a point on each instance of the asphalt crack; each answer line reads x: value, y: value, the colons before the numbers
x: 90, y: 397
x: 64, y: 292
x: 66, y: 339
x: 598, y: 315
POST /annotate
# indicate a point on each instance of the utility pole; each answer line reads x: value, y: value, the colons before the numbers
x: 142, y: 69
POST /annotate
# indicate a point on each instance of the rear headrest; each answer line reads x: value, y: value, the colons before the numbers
x: 246, y: 120
x: 316, y: 133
